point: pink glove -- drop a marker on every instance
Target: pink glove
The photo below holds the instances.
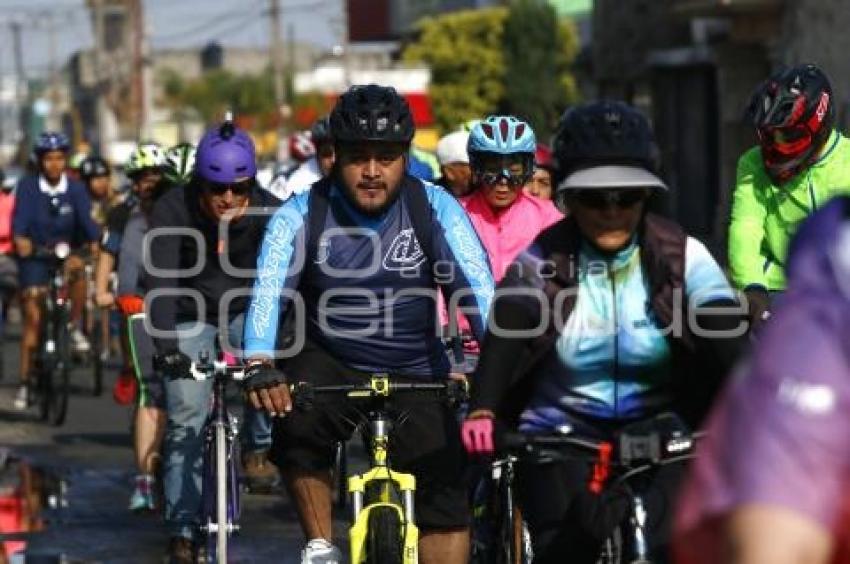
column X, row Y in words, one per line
column 477, row 436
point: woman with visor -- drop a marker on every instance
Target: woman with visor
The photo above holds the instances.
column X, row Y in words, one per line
column 596, row 297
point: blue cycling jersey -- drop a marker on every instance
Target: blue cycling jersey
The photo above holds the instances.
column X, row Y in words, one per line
column 61, row 215
column 369, row 294
column 612, row 360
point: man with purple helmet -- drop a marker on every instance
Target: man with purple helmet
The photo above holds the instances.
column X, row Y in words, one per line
column 203, row 238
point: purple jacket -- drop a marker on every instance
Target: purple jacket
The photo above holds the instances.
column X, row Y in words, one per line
column 780, row 434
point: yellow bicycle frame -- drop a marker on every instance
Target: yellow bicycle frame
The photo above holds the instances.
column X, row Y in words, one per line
column 382, row 474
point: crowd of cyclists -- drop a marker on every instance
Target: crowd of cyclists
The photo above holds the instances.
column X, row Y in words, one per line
column 579, row 306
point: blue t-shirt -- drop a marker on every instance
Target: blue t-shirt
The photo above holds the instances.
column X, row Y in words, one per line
column 612, row 360
column 64, row 215
column 370, row 293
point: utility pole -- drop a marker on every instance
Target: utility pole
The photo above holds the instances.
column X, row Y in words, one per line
column 52, row 73
column 276, row 46
column 101, row 88
column 346, row 45
column 20, row 80
column 147, row 76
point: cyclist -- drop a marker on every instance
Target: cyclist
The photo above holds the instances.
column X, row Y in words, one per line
column 369, row 191
column 611, row 273
column 144, row 168
column 540, row 185
column 801, row 161
column 315, row 168
column 179, row 164
column 97, row 176
column 121, row 245
column 770, row 483
column 501, row 153
column 49, row 208
column 455, row 174
column 223, row 189
column 8, row 265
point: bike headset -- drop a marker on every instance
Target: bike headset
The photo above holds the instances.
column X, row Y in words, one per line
column 501, row 136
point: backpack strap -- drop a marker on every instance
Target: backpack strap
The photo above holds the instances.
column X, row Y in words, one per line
column 317, row 211
column 421, row 215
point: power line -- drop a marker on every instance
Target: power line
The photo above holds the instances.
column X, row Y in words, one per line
column 212, row 22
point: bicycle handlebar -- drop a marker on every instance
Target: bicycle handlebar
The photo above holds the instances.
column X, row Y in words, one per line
column 303, row 393
column 202, row 371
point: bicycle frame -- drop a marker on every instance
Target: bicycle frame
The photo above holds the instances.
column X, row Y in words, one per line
column 372, row 491
column 219, row 509
column 380, row 474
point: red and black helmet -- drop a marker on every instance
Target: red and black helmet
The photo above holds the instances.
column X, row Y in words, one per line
column 793, row 113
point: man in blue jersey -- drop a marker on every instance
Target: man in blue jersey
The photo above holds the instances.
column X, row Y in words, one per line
column 362, row 248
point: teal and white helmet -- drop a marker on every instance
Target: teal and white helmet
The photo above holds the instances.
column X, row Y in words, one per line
column 146, row 156
column 504, row 135
column 180, row 163
column 507, row 138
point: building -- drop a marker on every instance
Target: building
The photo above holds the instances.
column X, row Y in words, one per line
column 693, row 65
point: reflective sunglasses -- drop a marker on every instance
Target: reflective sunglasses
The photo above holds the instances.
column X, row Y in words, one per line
column 602, row 199
column 237, row 188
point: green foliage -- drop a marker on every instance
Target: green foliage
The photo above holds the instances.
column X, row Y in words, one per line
column 463, row 50
column 538, row 52
column 514, row 60
column 220, row 90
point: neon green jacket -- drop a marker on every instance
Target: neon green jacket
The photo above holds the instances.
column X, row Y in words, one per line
column 765, row 217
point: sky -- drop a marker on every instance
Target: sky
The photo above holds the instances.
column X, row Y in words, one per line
column 172, row 23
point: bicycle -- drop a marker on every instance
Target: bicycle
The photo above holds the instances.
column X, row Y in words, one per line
column 52, row 358
column 383, row 529
column 220, row 508
column 638, row 450
column 96, row 331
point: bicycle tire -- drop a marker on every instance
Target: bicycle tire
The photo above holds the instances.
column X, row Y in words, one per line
column 221, row 494
column 341, row 475
column 384, row 544
column 59, row 381
column 96, row 341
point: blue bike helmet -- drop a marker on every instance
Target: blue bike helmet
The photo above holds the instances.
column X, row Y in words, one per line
column 51, row 141
column 226, row 155
column 502, row 135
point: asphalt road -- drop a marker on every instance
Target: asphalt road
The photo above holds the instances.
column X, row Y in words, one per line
column 91, row 455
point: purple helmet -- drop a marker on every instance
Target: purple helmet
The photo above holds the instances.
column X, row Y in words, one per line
column 226, row 155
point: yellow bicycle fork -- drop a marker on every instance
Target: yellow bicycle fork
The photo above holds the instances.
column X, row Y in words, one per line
column 387, row 481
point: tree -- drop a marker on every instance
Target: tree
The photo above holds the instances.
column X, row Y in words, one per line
column 491, row 60
column 538, row 52
column 463, row 50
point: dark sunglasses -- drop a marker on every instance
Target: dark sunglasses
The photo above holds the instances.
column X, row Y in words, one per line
column 238, row 188
column 601, row 199
column 513, row 180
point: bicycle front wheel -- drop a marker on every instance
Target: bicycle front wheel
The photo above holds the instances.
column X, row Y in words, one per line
column 59, row 380
column 96, row 355
column 384, row 544
column 221, row 491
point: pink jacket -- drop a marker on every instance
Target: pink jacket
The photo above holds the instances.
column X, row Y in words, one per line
column 510, row 232
column 507, row 234
column 7, row 206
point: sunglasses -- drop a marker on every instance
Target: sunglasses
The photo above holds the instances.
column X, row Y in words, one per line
column 602, row 199
column 238, row 188
column 514, row 180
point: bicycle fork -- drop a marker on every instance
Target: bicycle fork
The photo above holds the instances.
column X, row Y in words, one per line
column 380, row 474
column 638, row 522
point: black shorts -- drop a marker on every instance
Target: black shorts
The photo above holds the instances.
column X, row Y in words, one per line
column 426, row 443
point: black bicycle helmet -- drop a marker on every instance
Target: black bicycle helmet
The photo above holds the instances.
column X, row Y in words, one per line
column 603, row 133
column 94, row 166
column 371, row 113
column 794, row 115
